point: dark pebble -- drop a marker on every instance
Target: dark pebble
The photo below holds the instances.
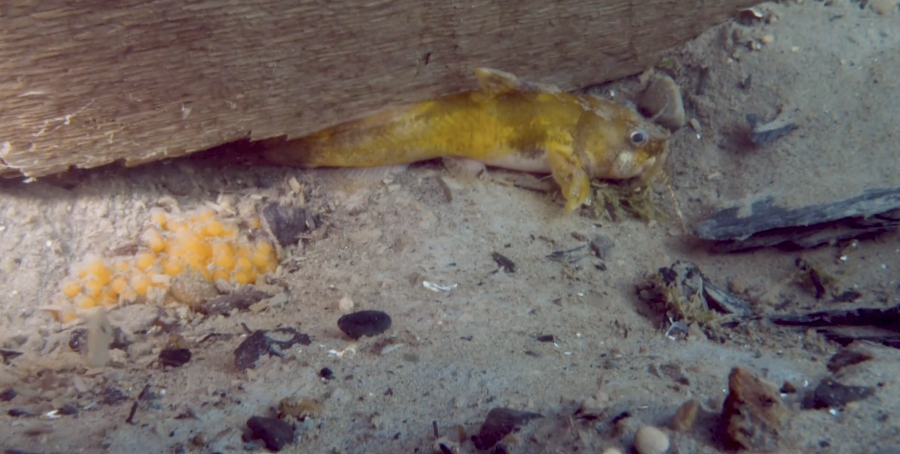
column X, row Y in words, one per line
column 545, row 338
column 68, row 410
column 287, row 223
column 499, row 423
column 601, row 246
column 78, row 339
column 276, row 433
column 174, row 357
column 18, row 412
column 788, row 388
column 831, row 394
column 848, row 356
column 364, row 323
column 504, row 262
column 8, row 355
column 7, row 394
column 113, row 396
column 326, row 373
column 263, row 342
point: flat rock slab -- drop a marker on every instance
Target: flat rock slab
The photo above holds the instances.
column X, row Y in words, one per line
column 768, row 224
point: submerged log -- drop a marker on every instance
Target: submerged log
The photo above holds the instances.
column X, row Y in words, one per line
column 83, row 84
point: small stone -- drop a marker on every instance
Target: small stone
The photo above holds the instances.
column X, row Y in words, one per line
column 19, row 413
column 287, row 223
column 662, row 101
column 848, row 356
column 364, row 323
column 831, row 394
column 684, row 417
column 788, row 388
column 499, row 423
column 276, row 433
column 8, row 394
column 593, row 406
column 752, row 414
column 112, row 396
column 345, row 304
column 78, row 339
column 601, row 245
column 68, row 410
column 174, row 357
column 650, row 440
column 326, row 373
column 674, row 372
column 883, row 6
column 192, row 290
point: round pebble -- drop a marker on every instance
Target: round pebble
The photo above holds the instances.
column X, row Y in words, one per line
column 662, row 101
column 650, row 440
column 364, row 323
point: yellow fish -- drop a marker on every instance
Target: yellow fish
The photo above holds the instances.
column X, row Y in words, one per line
column 506, row 123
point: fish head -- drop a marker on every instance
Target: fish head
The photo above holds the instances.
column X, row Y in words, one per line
column 618, row 143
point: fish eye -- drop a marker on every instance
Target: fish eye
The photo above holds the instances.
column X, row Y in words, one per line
column 638, row 137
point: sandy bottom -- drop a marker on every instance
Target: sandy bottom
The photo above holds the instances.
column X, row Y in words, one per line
column 451, row 356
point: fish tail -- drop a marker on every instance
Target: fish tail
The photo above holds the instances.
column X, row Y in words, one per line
column 386, row 138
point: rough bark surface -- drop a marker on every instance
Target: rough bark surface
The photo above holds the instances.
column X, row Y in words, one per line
column 93, row 82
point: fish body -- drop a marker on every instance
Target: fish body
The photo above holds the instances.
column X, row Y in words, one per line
column 505, row 123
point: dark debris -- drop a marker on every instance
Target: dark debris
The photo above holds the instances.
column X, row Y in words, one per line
column 499, row 423
column 762, row 134
column 241, row 300
column 831, row 394
column 275, row 433
column 504, row 262
column 174, row 357
column 287, row 223
column 263, row 342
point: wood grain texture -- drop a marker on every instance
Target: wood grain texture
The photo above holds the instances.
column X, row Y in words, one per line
column 92, row 82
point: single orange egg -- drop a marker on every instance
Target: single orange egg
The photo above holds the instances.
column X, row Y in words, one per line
column 85, row 302
column 93, row 287
column 67, row 316
column 71, row 288
column 244, row 263
column 158, row 217
column 140, row 283
column 96, row 268
column 118, row 284
column 172, row 266
column 109, row 298
column 223, row 255
column 214, row 228
column 144, row 260
column 242, row 277
column 154, row 240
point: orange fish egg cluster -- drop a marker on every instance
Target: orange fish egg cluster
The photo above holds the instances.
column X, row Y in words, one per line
column 198, row 242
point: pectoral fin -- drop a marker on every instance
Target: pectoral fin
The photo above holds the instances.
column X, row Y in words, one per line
column 569, row 173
